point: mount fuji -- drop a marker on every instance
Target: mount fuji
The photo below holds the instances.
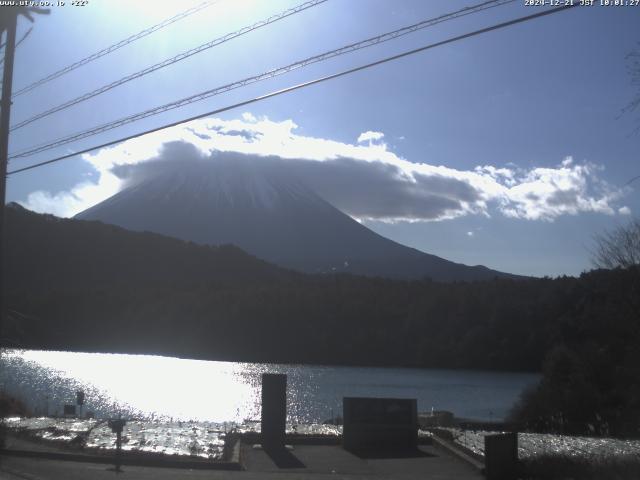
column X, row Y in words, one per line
column 269, row 213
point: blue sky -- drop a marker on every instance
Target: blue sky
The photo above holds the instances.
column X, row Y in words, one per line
column 527, row 119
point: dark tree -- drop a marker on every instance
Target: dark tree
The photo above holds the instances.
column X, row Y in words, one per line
column 618, row 248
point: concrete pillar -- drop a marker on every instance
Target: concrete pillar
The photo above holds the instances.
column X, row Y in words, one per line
column 274, row 409
column 501, row 456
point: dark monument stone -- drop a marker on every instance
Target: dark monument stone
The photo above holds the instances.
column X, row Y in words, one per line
column 501, row 456
column 384, row 424
column 70, row 410
column 274, row 409
column 80, row 401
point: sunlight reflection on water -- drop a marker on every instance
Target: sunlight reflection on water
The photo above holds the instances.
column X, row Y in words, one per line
column 147, row 386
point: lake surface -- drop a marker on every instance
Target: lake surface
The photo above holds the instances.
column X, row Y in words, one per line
column 144, row 386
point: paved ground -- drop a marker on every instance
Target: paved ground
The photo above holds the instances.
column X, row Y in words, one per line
column 311, row 461
column 303, row 462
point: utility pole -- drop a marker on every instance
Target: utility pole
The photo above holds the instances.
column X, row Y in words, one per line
column 8, row 23
column 9, row 18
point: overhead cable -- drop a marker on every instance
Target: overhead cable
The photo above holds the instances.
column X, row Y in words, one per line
column 263, row 76
column 114, row 47
column 170, row 61
column 302, row 85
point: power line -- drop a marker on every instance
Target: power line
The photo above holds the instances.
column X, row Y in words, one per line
column 263, row 76
column 115, row 46
column 171, row 61
column 22, row 39
column 637, row 177
column 24, row 36
column 305, row 84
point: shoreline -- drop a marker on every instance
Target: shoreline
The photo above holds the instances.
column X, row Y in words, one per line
column 23, row 443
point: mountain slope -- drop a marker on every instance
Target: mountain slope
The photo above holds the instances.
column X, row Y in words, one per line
column 47, row 253
column 271, row 215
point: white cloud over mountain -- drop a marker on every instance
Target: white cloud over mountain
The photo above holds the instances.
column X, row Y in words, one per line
column 365, row 179
column 370, row 137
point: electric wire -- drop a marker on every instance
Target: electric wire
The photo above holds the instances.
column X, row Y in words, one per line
column 270, row 74
column 22, row 39
column 114, row 47
column 637, row 177
column 303, row 85
column 170, row 61
column 263, row 76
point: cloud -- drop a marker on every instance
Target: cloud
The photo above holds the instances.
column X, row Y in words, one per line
column 624, row 210
column 365, row 180
column 568, row 189
column 370, row 137
column 79, row 198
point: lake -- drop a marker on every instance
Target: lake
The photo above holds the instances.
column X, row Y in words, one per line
column 148, row 387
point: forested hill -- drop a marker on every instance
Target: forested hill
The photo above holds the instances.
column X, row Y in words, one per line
column 86, row 286
column 45, row 252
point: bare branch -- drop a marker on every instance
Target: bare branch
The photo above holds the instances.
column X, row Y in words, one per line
column 619, row 248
